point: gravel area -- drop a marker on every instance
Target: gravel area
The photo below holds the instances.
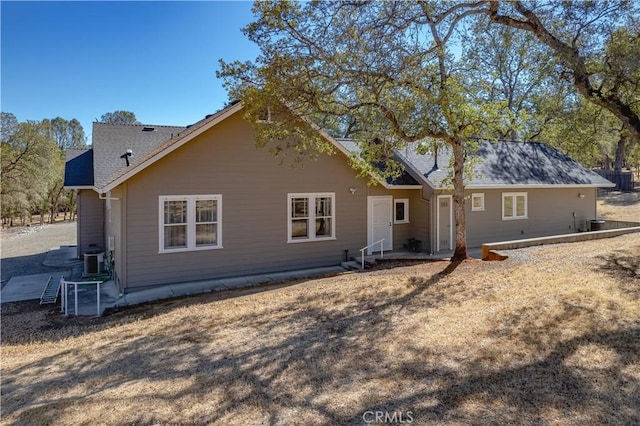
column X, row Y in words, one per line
column 23, row 252
column 579, row 250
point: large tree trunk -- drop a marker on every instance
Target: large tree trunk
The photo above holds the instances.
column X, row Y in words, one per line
column 620, row 153
column 460, row 252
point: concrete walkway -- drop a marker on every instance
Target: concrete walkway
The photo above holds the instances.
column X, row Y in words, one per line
column 207, row 286
column 62, row 256
column 474, row 252
column 28, row 287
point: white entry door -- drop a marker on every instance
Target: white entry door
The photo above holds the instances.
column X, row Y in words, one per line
column 380, row 222
column 444, row 223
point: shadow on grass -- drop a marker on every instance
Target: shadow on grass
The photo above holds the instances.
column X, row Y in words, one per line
column 54, row 326
column 529, row 394
column 307, row 360
column 26, row 265
column 625, row 266
column 620, row 198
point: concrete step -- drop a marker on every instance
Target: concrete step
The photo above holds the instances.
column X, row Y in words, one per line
column 351, row 265
column 368, row 260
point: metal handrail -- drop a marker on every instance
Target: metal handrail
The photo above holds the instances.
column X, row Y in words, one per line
column 371, row 245
column 64, row 305
column 45, row 288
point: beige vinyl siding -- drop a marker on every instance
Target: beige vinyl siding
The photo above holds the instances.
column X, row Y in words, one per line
column 90, row 221
column 550, row 212
column 254, row 188
column 420, row 218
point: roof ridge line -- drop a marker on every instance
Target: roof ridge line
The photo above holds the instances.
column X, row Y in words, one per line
column 138, row 125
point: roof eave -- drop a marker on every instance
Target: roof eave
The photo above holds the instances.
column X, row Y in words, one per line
column 415, row 173
column 80, row 187
column 533, row 186
column 348, row 153
column 390, row 186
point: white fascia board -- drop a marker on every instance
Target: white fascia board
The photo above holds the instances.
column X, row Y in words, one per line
column 415, row 171
column 81, row 187
column 390, row 186
column 330, row 138
column 177, row 144
column 346, row 152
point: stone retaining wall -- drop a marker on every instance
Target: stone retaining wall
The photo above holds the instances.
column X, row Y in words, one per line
column 488, row 254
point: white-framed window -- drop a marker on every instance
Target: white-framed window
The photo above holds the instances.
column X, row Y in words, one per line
column 311, row 217
column 265, row 116
column 190, row 222
column 477, row 202
column 514, row 205
column 401, row 210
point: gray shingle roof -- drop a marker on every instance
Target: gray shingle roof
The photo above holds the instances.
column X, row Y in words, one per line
column 507, row 163
column 111, row 141
column 78, row 169
column 177, row 139
column 501, row 163
column 404, row 179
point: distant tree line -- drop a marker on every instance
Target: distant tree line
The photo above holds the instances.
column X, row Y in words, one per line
column 32, row 165
column 33, row 154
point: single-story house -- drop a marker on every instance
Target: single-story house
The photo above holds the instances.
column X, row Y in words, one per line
column 174, row 204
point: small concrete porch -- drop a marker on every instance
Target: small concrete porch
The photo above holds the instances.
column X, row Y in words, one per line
column 356, row 261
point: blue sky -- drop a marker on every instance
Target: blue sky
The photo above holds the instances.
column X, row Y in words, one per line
column 83, row 59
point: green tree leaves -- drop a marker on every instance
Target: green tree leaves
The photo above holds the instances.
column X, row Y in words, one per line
column 119, row 117
column 32, row 164
column 373, row 71
column 596, row 42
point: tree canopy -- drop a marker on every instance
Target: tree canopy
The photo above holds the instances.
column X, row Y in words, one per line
column 66, row 133
column 390, row 73
column 119, row 117
column 32, row 165
column 381, row 71
column 596, row 42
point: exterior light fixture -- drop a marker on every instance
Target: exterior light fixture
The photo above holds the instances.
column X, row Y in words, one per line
column 353, row 190
column 126, row 156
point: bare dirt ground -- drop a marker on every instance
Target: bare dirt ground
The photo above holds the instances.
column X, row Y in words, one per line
column 623, row 206
column 550, row 336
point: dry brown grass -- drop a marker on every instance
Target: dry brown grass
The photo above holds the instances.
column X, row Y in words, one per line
column 554, row 339
column 624, row 206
